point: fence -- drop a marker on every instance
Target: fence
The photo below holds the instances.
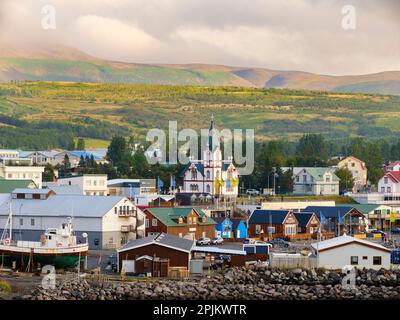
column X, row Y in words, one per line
column 292, row 261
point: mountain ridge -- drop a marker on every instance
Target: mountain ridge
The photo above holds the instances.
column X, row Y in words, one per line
column 61, row 63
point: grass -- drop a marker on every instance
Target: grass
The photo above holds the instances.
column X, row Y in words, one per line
column 95, row 143
column 5, row 287
column 272, row 113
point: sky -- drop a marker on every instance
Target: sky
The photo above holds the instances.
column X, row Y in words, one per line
column 305, row 35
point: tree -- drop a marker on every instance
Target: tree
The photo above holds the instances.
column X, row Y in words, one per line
column 65, row 169
column 346, row 182
column 81, row 144
column 311, row 150
column 120, row 155
column 48, row 174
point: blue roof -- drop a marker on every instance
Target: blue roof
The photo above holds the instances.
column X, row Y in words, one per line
column 84, row 154
column 220, row 220
column 328, row 212
column 303, row 218
column 263, row 216
column 199, row 167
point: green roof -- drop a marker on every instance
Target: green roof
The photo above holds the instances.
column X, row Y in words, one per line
column 363, row 208
column 318, row 173
column 8, row 186
column 170, row 216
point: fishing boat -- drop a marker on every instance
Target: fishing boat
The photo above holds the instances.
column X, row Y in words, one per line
column 57, row 247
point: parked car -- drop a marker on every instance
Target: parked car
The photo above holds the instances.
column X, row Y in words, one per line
column 249, row 241
column 395, row 230
column 252, row 192
column 223, row 258
column 203, row 242
column 376, row 231
column 277, row 242
column 217, row 240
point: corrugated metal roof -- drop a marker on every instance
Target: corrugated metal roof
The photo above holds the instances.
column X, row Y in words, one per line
column 363, row 208
column 328, row 212
column 162, row 239
column 318, row 172
column 63, row 206
column 219, row 250
column 170, row 216
column 31, row 191
column 303, row 218
column 344, row 240
column 74, row 189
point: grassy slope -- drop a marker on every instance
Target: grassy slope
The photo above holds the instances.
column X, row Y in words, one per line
column 272, row 113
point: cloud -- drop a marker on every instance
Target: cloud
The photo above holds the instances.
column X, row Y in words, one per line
column 287, row 34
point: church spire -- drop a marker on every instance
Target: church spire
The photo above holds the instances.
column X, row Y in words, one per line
column 213, row 138
column 212, row 122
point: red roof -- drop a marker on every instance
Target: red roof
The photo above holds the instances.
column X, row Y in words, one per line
column 393, row 175
column 392, row 164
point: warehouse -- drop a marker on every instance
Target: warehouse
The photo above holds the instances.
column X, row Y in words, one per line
column 108, row 221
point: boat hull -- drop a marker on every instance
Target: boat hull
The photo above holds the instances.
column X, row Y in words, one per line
column 60, row 260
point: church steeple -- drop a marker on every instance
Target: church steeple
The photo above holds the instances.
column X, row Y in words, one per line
column 213, row 138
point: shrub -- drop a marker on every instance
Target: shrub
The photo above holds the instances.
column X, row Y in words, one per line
column 4, row 286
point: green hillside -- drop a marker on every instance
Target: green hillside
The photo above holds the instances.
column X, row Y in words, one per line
column 45, row 114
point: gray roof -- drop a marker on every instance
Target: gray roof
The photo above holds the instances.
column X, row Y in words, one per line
column 162, row 239
column 31, row 191
column 74, row 189
column 62, row 206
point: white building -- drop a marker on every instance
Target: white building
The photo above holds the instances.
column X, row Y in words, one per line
column 315, row 181
column 108, row 221
column 345, row 250
column 212, row 174
column 89, row 184
column 22, row 173
column 131, row 187
column 390, row 182
column 40, row 157
column 8, row 154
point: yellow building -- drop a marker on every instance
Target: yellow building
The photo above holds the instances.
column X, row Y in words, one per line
column 358, row 169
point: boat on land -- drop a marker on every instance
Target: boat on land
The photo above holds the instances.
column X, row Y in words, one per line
column 57, row 247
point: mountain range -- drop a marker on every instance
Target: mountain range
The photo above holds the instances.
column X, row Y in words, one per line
column 70, row 65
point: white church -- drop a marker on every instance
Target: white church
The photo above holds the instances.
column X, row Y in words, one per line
column 212, row 174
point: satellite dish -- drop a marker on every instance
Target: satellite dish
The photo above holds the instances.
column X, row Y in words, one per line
column 85, row 235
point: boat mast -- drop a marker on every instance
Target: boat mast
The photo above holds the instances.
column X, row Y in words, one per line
column 8, row 224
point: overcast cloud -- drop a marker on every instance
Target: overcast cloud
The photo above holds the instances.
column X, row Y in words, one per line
column 277, row 34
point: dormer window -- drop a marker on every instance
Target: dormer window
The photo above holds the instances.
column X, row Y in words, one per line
column 180, row 220
column 204, row 219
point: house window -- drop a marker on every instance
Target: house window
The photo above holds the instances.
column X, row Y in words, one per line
column 194, row 175
column 96, row 242
column 154, row 222
column 208, row 189
column 208, row 175
column 365, row 258
column 290, row 229
column 353, row 164
column 32, row 222
column 382, row 189
column 389, row 189
column 377, row 260
column 180, row 235
column 147, row 223
column 297, row 179
column 385, row 180
column 304, row 178
column 194, row 220
column 180, row 220
column 328, row 179
column 21, row 222
column 354, row 260
column 189, row 220
column 258, row 229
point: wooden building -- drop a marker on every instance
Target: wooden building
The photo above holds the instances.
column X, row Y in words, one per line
column 188, row 222
column 272, row 223
column 308, row 222
column 155, row 254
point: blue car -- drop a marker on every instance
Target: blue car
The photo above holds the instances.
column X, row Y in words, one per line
column 395, row 230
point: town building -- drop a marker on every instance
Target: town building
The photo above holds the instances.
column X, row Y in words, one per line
column 392, row 166
column 272, row 224
column 89, row 184
column 390, row 182
column 22, row 173
column 131, row 188
column 188, row 222
column 223, row 227
column 155, row 255
column 308, row 222
column 342, row 251
column 358, row 170
column 211, row 175
column 40, row 157
column 293, row 205
column 239, row 228
column 108, row 221
column 339, row 220
column 315, row 181
column 9, row 154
